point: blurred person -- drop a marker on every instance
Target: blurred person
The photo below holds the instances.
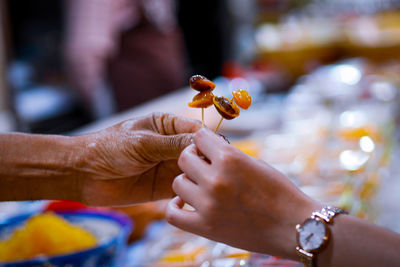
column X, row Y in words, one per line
column 208, row 41
column 244, row 202
column 131, row 162
column 134, row 45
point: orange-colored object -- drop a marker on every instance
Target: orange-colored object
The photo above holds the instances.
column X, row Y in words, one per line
column 45, row 234
column 249, row 146
column 358, row 132
column 201, row 83
column 179, row 256
column 242, row 98
column 203, row 99
column 226, row 107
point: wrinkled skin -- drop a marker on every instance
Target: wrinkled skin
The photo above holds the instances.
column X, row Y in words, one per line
column 134, row 161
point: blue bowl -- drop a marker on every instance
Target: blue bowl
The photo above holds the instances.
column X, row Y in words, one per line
column 111, row 229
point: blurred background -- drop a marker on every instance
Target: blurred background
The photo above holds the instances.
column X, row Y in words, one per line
column 67, row 63
column 323, row 76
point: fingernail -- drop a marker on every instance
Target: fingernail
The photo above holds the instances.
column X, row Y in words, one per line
column 224, row 137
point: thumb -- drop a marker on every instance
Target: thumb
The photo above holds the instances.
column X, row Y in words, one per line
column 165, row 147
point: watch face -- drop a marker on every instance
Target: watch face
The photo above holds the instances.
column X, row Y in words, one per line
column 312, row 234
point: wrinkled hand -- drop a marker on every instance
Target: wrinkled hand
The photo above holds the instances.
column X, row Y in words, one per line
column 134, row 161
column 238, row 200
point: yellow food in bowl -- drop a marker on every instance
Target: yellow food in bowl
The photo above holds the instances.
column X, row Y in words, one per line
column 45, row 234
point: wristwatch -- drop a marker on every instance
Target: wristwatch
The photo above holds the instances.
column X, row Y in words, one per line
column 313, row 234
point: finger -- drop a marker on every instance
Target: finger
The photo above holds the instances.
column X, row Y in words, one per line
column 187, row 220
column 191, row 163
column 170, row 124
column 155, row 147
column 208, row 143
column 188, row 191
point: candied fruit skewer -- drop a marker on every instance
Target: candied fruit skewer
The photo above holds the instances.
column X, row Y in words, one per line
column 226, row 108
column 204, row 98
column 201, row 83
column 242, row 98
column 219, row 124
column 220, row 121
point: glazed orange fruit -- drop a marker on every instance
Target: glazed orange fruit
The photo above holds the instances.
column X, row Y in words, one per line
column 202, row 100
column 201, row 83
column 226, row 107
column 242, row 98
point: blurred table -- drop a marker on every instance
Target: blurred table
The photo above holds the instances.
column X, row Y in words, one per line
column 175, row 102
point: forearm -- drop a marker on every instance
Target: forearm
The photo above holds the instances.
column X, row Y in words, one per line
column 356, row 242
column 34, row 167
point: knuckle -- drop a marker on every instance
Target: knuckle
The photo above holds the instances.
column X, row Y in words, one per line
column 225, row 156
column 229, row 157
column 218, row 185
column 128, row 124
column 140, row 138
column 169, row 216
column 182, row 160
column 156, row 116
column 184, row 157
column 200, row 134
column 140, row 142
column 176, row 183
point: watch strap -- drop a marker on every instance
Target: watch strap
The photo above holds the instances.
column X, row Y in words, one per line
column 327, row 213
column 306, row 258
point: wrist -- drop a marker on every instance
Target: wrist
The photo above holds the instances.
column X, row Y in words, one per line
column 58, row 174
column 39, row 167
column 314, row 234
column 80, row 162
column 302, row 212
column 75, row 166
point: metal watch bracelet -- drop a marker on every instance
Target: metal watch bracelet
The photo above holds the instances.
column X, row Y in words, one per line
column 323, row 217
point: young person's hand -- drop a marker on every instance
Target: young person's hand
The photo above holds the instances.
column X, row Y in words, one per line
column 238, row 199
column 244, row 202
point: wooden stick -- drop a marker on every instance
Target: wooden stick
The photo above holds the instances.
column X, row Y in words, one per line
column 216, row 129
column 220, row 121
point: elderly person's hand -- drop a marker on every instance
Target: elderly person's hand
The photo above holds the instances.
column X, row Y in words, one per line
column 135, row 160
column 131, row 162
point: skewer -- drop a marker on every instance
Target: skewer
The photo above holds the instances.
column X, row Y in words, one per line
column 204, row 98
column 219, row 123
